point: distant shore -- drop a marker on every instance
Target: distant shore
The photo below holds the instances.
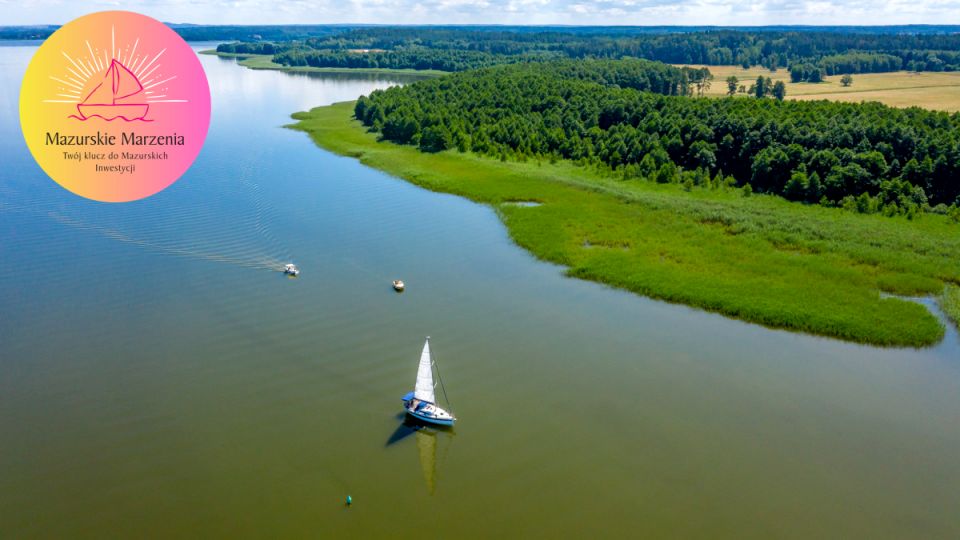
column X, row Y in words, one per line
column 265, row 61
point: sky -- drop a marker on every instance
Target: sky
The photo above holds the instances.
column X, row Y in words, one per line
column 574, row 12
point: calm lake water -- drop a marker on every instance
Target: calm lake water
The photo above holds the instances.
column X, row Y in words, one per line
column 160, row 378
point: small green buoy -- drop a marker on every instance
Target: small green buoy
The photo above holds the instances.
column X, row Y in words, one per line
column 349, row 500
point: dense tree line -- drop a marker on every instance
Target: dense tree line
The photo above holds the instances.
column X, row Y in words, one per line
column 807, row 72
column 27, row 32
column 614, row 114
column 275, row 32
column 810, row 55
column 408, row 58
column 835, row 52
column 839, row 64
column 844, row 64
column 200, row 32
column 252, row 47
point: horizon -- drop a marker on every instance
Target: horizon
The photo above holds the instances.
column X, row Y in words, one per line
column 573, row 13
column 510, row 25
column 922, row 28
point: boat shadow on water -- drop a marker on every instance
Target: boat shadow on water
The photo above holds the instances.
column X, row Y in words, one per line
column 410, row 425
column 427, row 436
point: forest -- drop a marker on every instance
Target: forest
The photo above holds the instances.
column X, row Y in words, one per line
column 638, row 119
column 834, row 50
column 843, row 64
column 419, row 58
column 203, row 32
column 459, row 48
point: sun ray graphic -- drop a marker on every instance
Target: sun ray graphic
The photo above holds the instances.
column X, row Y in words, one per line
column 87, row 76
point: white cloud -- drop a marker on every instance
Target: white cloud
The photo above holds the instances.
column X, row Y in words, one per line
column 598, row 12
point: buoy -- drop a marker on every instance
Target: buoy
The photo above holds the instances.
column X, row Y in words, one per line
column 349, row 500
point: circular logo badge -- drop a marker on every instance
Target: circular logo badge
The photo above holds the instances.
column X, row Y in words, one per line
column 115, row 106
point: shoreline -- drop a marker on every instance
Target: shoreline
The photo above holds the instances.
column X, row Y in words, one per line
column 265, row 61
column 661, row 242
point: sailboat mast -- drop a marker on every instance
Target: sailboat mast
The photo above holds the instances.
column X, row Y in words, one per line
column 433, row 358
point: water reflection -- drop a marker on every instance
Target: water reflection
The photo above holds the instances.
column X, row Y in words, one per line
column 427, row 445
column 428, row 438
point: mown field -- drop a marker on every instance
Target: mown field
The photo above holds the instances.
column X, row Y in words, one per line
column 930, row 90
column 757, row 258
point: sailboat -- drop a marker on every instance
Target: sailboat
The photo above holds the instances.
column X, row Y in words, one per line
column 422, row 402
column 112, row 97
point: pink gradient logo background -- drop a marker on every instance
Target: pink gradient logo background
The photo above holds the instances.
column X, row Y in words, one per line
column 116, row 73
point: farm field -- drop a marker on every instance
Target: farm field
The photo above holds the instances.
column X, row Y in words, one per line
column 930, row 90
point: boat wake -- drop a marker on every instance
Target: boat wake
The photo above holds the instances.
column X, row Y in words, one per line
column 181, row 251
column 225, row 219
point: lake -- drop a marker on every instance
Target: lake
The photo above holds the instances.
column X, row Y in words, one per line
column 159, row 377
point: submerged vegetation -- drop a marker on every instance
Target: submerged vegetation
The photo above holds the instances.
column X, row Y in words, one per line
column 758, row 258
column 626, row 115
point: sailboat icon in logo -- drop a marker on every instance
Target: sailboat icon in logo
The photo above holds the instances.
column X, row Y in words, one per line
column 116, row 96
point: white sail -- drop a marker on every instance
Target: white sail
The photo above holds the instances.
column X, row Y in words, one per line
column 424, row 388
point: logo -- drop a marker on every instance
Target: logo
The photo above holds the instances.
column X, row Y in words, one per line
column 111, row 98
column 115, row 106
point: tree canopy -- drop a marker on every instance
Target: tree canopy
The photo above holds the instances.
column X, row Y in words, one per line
column 638, row 118
column 460, row 48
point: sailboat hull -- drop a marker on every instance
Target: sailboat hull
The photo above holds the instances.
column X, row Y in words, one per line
column 110, row 112
column 427, row 412
column 431, row 419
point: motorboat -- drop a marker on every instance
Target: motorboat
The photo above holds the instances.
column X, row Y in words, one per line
column 398, row 285
column 291, row 270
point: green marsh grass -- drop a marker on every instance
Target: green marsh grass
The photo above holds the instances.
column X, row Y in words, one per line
column 760, row 259
column 950, row 302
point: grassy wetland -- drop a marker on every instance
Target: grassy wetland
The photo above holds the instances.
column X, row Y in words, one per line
column 757, row 258
column 951, row 303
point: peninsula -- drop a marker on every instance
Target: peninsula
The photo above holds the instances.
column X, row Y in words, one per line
column 686, row 236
